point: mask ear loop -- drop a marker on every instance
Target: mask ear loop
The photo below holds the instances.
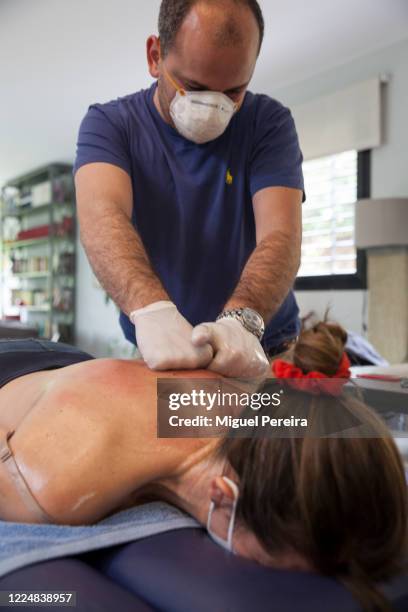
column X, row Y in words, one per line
column 182, row 92
column 210, row 512
column 232, row 519
column 233, row 512
column 170, row 78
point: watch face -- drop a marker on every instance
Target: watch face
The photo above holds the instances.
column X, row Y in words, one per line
column 252, row 319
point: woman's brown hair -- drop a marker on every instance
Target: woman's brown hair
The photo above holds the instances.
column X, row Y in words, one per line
column 341, row 502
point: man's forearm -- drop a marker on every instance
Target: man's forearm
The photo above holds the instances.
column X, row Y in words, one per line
column 268, row 275
column 119, row 261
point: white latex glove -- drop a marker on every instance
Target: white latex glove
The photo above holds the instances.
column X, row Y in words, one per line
column 237, row 352
column 163, row 337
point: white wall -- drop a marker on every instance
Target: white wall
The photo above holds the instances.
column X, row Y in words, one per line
column 97, row 328
column 389, row 172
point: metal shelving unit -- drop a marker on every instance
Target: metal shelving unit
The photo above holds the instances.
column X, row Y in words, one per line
column 38, row 250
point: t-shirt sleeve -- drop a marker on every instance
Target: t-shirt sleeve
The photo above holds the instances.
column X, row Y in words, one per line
column 276, row 159
column 102, row 138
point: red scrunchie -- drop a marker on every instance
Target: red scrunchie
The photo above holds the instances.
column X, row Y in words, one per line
column 313, row 382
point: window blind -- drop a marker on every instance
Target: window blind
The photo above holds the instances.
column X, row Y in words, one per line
column 349, row 119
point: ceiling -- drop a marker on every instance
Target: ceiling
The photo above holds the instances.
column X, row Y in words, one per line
column 57, row 57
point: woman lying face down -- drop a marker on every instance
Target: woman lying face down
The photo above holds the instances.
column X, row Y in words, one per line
column 85, row 445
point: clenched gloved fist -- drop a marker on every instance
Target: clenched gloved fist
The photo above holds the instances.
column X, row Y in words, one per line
column 163, row 337
column 237, row 352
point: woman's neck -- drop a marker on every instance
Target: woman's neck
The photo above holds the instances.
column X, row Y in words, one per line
column 189, row 489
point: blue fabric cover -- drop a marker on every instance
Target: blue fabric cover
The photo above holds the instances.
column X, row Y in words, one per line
column 19, row 357
column 185, row 570
column 94, row 591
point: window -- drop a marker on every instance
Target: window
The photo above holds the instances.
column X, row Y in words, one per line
column 329, row 257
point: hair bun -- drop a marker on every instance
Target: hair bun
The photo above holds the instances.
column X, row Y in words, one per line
column 320, row 348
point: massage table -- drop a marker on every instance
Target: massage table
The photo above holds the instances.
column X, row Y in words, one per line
column 386, row 390
column 183, row 570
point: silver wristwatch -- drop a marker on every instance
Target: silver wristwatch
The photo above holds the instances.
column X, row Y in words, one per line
column 250, row 319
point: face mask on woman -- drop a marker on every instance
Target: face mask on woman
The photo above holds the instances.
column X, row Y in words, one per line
column 227, row 544
column 200, row 116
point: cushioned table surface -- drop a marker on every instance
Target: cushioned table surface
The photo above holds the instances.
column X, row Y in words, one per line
column 184, row 571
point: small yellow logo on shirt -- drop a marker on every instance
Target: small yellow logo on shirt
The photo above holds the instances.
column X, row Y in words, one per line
column 229, row 178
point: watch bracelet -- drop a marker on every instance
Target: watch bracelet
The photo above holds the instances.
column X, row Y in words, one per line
column 235, row 313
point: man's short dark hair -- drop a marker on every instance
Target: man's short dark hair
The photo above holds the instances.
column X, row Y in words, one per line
column 173, row 12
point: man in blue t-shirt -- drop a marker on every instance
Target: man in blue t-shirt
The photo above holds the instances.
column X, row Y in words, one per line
column 189, row 197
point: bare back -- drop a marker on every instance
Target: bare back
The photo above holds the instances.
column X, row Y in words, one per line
column 86, row 439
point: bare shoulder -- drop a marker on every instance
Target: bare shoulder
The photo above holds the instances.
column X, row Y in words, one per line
column 108, row 373
column 124, row 375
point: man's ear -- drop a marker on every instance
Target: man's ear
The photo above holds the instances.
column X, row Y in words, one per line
column 153, row 55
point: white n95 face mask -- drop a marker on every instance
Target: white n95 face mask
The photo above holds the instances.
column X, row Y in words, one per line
column 227, row 544
column 200, row 116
